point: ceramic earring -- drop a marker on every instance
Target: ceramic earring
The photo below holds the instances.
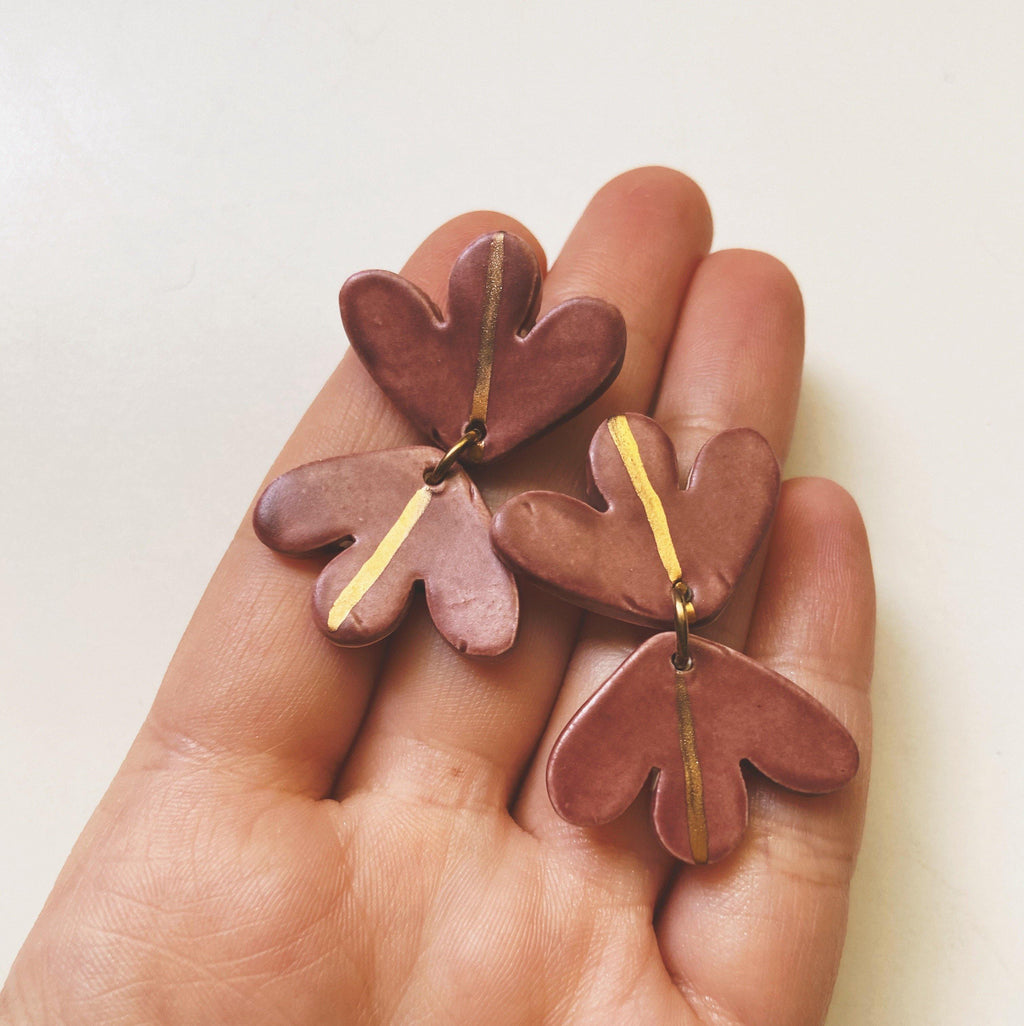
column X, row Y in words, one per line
column 478, row 384
column 687, row 708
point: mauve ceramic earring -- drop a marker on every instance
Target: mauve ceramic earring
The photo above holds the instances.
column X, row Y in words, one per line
column 689, row 709
column 478, row 385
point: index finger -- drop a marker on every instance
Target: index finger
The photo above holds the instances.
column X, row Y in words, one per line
column 253, row 680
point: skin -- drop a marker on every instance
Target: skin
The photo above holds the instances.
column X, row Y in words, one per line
column 306, row 834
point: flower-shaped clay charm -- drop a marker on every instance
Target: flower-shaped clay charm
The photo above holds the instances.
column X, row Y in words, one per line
column 488, row 364
column 393, row 529
column 621, row 560
column 694, row 730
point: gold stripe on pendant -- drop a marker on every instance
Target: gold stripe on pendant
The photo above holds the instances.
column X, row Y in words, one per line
column 629, row 451
column 367, row 575
column 696, row 819
column 488, row 326
column 625, row 442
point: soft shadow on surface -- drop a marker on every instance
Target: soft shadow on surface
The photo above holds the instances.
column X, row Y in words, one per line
column 893, row 895
column 892, row 898
column 826, row 440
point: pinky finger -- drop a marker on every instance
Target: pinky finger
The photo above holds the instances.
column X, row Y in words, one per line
column 757, row 938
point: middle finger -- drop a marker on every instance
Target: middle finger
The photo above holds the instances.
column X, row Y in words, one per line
column 448, row 729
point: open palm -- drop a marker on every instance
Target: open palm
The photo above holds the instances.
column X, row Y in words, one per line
column 305, row 834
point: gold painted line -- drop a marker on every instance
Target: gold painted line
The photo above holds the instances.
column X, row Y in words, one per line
column 488, row 324
column 696, row 819
column 625, row 442
column 382, row 555
column 629, row 451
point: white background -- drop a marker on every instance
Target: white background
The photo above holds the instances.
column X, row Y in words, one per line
column 184, row 186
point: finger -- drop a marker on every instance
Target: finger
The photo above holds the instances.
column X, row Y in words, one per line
column 758, row 936
column 454, row 730
column 741, row 329
column 253, row 681
column 735, row 362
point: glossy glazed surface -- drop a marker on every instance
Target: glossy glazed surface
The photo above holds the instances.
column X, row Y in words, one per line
column 741, row 712
column 621, row 561
column 395, row 531
column 487, row 361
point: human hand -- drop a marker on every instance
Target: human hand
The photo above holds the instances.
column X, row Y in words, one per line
column 306, row 834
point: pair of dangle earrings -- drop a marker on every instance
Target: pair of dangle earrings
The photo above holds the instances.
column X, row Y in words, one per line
column 644, row 550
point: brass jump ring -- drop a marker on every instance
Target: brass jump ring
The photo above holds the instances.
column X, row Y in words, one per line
column 685, row 614
column 435, row 475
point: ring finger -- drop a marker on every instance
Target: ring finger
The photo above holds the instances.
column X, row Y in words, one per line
column 735, row 361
